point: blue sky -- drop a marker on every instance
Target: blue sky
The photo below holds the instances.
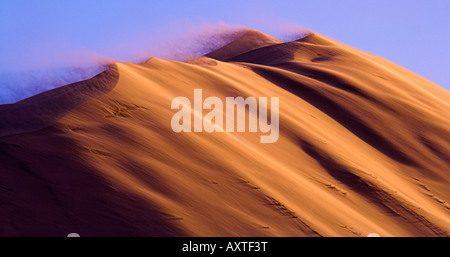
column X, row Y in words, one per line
column 49, row 33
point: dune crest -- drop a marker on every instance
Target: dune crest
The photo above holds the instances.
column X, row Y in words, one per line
column 45, row 109
column 363, row 148
column 250, row 40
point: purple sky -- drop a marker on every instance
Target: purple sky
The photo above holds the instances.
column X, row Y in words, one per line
column 47, row 36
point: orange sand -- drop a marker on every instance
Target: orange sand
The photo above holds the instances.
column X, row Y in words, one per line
column 363, row 148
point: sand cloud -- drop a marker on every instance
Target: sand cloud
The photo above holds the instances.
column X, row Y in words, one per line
column 48, row 64
column 51, row 64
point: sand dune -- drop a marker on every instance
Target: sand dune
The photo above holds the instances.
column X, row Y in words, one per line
column 363, row 148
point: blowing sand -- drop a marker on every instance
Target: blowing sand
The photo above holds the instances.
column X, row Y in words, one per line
column 363, row 148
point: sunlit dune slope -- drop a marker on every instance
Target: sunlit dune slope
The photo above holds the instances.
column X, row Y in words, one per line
column 363, row 148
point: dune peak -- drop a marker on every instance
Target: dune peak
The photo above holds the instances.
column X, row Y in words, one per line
column 250, row 40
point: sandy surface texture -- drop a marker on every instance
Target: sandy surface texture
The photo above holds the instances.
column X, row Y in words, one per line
column 363, row 148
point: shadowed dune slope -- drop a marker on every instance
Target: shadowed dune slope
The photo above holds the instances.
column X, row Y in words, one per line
column 363, row 148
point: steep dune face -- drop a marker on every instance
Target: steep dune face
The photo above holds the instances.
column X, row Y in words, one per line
column 363, row 148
